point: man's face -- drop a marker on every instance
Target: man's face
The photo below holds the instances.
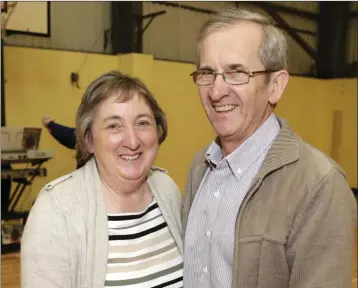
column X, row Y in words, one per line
column 235, row 111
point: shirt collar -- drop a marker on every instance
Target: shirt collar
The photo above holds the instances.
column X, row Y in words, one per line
column 247, row 153
column 214, row 154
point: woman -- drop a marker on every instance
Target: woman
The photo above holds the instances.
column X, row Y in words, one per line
column 115, row 222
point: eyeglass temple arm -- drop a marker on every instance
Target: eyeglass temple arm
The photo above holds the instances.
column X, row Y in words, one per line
column 262, row 72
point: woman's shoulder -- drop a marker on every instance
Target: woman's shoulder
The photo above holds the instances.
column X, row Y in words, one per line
column 58, row 182
column 65, row 181
column 161, row 181
column 63, row 189
column 160, row 175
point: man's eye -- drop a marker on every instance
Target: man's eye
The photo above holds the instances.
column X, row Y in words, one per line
column 235, row 72
column 206, row 72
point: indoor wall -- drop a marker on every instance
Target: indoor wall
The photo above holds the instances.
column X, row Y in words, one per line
column 38, row 83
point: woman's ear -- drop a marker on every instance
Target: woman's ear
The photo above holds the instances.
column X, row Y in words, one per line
column 278, row 85
column 88, row 141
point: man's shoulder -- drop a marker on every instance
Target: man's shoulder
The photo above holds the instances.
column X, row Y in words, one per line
column 309, row 159
column 316, row 161
column 200, row 156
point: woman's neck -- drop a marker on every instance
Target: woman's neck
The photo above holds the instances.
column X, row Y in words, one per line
column 126, row 197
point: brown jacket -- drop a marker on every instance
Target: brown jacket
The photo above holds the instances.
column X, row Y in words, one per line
column 295, row 227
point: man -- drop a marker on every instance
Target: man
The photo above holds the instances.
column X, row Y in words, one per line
column 261, row 208
column 63, row 134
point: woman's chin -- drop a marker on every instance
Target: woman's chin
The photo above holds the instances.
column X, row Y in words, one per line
column 132, row 174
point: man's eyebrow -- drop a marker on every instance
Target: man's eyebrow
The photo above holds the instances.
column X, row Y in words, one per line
column 206, row 68
column 236, row 66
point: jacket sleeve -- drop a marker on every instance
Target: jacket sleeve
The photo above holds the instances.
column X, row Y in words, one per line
column 321, row 242
column 63, row 134
column 45, row 261
column 186, row 201
column 198, row 159
column 176, row 203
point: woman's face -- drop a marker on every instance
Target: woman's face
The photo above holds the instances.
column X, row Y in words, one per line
column 124, row 138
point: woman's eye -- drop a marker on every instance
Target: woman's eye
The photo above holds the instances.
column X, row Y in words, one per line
column 144, row 123
column 113, row 127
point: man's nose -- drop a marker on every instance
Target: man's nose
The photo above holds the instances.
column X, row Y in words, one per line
column 219, row 88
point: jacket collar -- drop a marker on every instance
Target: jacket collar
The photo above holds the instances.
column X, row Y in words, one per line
column 155, row 182
column 283, row 151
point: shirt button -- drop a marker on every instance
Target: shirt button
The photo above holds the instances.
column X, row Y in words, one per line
column 239, row 171
column 208, row 233
column 205, row 269
column 217, row 194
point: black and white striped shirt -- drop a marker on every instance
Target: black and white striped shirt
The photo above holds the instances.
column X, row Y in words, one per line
column 142, row 251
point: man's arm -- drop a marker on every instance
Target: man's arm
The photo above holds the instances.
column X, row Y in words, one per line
column 321, row 242
column 63, row 134
column 45, row 251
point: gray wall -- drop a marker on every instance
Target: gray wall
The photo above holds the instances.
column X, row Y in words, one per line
column 80, row 26
column 75, row 26
column 173, row 35
column 352, row 53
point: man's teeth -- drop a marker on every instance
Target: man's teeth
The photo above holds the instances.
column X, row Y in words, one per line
column 224, row 108
column 129, row 157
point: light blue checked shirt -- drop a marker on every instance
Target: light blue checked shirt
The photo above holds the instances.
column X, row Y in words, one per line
column 209, row 238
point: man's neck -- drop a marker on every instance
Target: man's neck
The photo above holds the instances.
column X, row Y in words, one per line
column 231, row 144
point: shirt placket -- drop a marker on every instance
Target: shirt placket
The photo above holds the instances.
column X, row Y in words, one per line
column 216, row 188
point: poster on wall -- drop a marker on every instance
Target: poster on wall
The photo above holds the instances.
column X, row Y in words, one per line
column 29, row 18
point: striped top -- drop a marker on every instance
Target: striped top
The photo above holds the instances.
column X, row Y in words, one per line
column 209, row 238
column 142, row 251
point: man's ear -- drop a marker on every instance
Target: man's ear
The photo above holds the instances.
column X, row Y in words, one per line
column 88, row 141
column 277, row 84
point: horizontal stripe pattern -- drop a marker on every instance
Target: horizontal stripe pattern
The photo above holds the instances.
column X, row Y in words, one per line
column 142, row 251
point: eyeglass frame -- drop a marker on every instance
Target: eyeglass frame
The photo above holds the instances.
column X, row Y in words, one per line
column 251, row 74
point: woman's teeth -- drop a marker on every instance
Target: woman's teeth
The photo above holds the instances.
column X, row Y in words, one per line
column 130, row 157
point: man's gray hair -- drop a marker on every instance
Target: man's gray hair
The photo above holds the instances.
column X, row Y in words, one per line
column 273, row 47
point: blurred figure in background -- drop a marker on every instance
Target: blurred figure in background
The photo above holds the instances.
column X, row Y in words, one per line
column 63, row 134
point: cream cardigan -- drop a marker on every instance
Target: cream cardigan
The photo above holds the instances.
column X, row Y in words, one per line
column 65, row 241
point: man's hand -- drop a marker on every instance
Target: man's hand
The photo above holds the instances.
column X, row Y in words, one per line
column 46, row 120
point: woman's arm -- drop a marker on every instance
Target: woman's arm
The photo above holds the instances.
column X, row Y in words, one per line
column 45, row 255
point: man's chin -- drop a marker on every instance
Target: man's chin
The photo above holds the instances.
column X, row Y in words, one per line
column 224, row 133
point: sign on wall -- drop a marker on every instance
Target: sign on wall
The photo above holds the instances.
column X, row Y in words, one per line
column 31, row 18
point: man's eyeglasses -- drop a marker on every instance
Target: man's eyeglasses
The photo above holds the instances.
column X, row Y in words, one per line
column 234, row 77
